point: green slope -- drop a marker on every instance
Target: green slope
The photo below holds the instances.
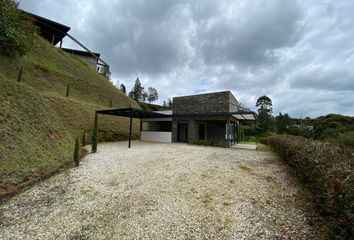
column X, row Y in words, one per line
column 38, row 123
column 49, row 70
column 34, row 141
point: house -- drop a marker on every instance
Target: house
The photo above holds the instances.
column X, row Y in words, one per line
column 87, row 57
column 210, row 116
column 55, row 32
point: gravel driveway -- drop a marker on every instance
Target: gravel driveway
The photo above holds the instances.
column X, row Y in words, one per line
column 164, row 191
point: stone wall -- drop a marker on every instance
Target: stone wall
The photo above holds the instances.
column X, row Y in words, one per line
column 203, row 103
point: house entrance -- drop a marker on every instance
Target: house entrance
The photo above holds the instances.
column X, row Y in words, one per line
column 182, row 132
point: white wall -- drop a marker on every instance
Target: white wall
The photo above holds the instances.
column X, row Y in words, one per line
column 165, row 137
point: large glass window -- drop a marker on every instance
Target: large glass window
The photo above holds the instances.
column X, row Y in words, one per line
column 163, row 126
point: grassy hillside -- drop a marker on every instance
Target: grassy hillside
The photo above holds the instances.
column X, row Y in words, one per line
column 34, row 141
column 49, row 70
column 38, row 123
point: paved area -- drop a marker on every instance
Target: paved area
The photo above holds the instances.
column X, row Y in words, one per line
column 164, row 191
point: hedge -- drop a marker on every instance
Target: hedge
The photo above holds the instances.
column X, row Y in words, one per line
column 328, row 171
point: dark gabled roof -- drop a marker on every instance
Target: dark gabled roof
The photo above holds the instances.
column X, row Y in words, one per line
column 134, row 112
column 81, row 53
column 49, row 28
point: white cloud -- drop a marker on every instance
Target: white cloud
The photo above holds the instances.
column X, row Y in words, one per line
column 300, row 53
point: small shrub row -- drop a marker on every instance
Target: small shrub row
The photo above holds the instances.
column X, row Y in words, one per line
column 328, row 171
column 210, row 142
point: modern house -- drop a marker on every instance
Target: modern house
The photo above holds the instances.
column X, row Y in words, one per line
column 211, row 116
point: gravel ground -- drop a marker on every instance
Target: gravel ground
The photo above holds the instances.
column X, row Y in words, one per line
column 164, row 191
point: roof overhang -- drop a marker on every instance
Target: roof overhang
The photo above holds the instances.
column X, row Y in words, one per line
column 133, row 112
column 139, row 113
column 50, row 30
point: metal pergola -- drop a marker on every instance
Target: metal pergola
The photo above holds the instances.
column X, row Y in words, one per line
column 139, row 113
column 123, row 112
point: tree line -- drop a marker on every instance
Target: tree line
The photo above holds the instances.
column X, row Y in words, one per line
column 139, row 94
column 333, row 128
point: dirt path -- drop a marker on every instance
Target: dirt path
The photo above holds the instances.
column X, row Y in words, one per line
column 163, row 191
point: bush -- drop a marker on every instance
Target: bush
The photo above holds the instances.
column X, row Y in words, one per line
column 328, row 171
column 77, row 152
column 346, row 139
column 16, row 30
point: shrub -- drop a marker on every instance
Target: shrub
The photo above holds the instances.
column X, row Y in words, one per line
column 16, row 30
column 67, row 90
column 210, row 142
column 19, row 77
column 346, row 139
column 328, row 171
column 77, row 152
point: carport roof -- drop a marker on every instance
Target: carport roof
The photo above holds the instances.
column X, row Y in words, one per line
column 139, row 113
column 132, row 112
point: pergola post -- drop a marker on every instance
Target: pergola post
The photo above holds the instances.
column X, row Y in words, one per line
column 141, row 128
column 95, row 134
column 130, row 126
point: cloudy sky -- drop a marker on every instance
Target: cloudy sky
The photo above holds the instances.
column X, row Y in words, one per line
column 299, row 53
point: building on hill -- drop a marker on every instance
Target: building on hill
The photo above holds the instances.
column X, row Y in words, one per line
column 86, row 57
column 53, row 31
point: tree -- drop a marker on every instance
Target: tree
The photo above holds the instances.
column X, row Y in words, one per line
column 152, row 95
column 16, row 30
column 264, row 103
column 265, row 109
column 283, row 123
column 169, row 103
column 137, row 93
column 123, row 88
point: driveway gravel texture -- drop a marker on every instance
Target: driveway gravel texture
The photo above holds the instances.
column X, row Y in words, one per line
column 164, row 191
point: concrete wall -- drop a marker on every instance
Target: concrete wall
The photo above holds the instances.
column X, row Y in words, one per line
column 149, row 136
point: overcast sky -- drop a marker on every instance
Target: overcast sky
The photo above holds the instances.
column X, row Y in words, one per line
column 299, row 53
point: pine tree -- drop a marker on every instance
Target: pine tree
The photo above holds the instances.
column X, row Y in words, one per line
column 137, row 93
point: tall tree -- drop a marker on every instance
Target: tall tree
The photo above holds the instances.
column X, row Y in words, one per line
column 265, row 109
column 123, row 88
column 152, row 94
column 264, row 103
column 137, row 93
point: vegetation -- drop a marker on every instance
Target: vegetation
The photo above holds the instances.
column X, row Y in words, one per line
column 84, row 138
column 265, row 108
column 139, row 95
column 95, row 134
column 152, row 95
column 34, row 141
column 77, row 152
column 328, row 171
column 67, row 90
column 210, row 142
column 16, row 32
column 26, row 153
column 123, row 88
column 19, row 77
